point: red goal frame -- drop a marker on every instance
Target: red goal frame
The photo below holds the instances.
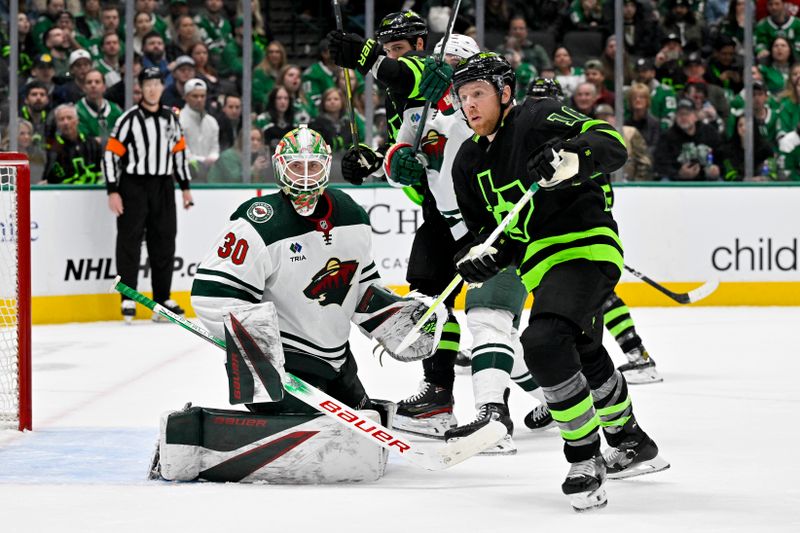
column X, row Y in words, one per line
column 23, row 228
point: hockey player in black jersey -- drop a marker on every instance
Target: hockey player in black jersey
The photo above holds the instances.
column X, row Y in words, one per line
column 568, row 254
column 402, row 38
column 640, row 368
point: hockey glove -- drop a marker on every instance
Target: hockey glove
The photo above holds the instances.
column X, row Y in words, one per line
column 406, row 167
column 477, row 267
column 435, row 79
column 561, row 164
column 354, row 169
column 350, row 50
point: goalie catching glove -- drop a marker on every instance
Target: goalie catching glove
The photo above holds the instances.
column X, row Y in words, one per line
column 561, row 164
column 388, row 318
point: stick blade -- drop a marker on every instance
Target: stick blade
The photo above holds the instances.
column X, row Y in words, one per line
column 703, row 291
column 460, row 450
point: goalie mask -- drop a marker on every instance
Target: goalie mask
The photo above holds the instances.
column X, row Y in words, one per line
column 302, row 163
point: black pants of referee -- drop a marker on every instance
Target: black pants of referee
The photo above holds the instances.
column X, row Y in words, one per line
column 148, row 213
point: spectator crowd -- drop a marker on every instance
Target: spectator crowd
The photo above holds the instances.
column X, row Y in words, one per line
column 683, row 79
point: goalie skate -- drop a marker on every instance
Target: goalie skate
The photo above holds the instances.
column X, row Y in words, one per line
column 154, row 472
column 633, row 458
column 428, row 413
column 585, row 484
column 640, row 368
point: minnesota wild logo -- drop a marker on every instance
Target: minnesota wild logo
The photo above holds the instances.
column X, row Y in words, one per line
column 331, row 284
column 501, row 200
column 433, row 147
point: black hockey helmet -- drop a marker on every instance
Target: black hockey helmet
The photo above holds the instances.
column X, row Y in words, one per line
column 545, row 88
column 488, row 66
column 401, row 26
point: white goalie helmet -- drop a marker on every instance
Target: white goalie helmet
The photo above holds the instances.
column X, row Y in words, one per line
column 302, row 163
column 461, row 46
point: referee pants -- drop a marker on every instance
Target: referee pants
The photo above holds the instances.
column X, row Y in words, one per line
column 149, row 214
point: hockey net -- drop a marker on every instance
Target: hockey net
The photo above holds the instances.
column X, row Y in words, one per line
column 15, row 304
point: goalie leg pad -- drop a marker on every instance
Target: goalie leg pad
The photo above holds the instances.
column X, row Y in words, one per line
column 236, row 446
column 255, row 358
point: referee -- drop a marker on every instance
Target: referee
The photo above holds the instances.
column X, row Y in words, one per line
column 145, row 150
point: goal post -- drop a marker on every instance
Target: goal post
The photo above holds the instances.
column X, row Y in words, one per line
column 15, row 292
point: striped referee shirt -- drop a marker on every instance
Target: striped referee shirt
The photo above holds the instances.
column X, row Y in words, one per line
column 146, row 144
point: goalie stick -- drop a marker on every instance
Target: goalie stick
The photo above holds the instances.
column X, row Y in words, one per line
column 682, row 298
column 436, row 458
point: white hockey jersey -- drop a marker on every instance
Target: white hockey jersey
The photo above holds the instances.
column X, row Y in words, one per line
column 441, row 139
column 314, row 271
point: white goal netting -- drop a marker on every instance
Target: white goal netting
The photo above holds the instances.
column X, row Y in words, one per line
column 9, row 297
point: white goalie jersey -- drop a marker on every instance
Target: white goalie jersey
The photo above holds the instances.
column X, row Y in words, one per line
column 441, row 139
column 314, row 271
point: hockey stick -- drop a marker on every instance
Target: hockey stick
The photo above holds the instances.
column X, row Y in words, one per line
column 414, row 334
column 427, row 107
column 337, row 12
column 682, row 298
column 438, row 459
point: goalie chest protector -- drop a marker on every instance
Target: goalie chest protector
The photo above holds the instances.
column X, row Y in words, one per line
column 313, row 270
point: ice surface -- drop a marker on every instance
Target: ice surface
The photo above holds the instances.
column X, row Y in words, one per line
column 725, row 417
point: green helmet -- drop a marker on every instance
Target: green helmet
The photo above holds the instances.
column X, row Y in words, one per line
column 302, row 163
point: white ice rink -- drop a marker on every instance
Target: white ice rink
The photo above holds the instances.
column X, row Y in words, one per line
column 725, row 417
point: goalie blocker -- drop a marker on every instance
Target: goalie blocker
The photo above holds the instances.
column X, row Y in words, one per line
column 235, row 446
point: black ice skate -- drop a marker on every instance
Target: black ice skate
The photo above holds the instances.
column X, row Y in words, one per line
column 584, row 484
column 429, row 412
column 539, row 419
column 634, row 458
column 170, row 305
column 640, row 368
column 128, row 311
column 487, row 412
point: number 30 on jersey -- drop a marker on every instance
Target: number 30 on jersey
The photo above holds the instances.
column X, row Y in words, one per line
column 234, row 248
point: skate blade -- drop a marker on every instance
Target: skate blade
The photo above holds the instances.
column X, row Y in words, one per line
column 542, row 428
column 651, row 466
column 642, row 376
column 589, row 501
column 504, row 446
column 433, row 427
column 127, row 320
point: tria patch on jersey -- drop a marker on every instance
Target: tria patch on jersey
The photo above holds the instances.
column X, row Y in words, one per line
column 260, row 212
column 331, row 284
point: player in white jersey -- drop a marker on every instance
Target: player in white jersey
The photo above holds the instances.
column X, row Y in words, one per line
column 493, row 309
column 296, row 268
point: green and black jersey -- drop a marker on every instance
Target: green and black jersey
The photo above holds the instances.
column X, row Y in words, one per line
column 401, row 79
column 556, row 226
